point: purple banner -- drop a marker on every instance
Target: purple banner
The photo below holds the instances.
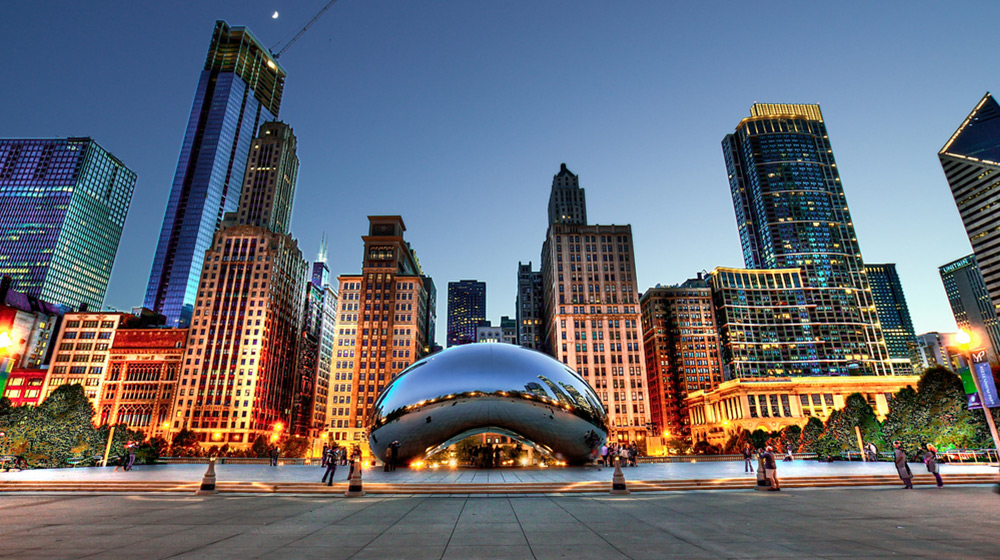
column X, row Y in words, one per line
column 987, row 386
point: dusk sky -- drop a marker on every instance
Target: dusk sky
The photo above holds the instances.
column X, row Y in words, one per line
column 456, row 115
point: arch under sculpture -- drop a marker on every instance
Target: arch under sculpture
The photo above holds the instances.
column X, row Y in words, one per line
column 488, row 388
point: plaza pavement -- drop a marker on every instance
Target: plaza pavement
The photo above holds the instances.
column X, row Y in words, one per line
column 953, row 522
column 447, row 475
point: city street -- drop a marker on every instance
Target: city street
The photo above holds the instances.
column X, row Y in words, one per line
column 955, row 522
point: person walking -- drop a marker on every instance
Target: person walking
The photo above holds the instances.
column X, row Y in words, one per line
column 275, row 454
column 130, row 459
column 747, row 459
column 771, row 468
column 331, row 467
column 931, row 460
column 604, row 454
column 899, row 458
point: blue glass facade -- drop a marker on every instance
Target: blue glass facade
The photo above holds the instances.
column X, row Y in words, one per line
column 893, row 316
column 240, row 88
column 63, row 203
column 792, row 213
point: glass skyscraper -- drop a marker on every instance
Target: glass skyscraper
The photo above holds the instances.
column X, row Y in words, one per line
column 466, row 309
column 893, row 317
column 240, row 88
column 971, row 163
column 63, row 203
column 792, row 214
column 972, row 305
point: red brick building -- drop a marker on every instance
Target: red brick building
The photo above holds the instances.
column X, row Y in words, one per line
column 24, row 386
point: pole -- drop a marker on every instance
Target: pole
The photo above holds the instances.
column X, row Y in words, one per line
column 986, row 409
column 861, row 445
column 107, row 448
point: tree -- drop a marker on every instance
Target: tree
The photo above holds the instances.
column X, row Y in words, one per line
column 758, row 438
column 811, row 433
column 259, row 447
column 856, row 412
column 295, row 446
column 185, row 443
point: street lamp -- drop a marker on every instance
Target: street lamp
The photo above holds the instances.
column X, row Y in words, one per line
column 964, row 340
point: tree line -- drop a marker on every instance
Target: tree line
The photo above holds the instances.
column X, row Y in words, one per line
column 935, row 412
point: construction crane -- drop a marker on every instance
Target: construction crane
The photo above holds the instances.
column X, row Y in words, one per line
column 303, row 30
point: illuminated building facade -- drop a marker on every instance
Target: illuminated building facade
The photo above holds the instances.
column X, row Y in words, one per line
column 893, row 317
column 141, row 380
column 971, row 304
column 682, row 349
column 312, row 387
column 971, row 163
column 770, row 404
column 936, row 349
column 82, row 350
column 529, row 307
column 792, row 213
column 240, row 371
column 28, row 327
column 24, row 386
column 63, row 203
column 591, row 307
column 385, row 323
column 240, row 88
column 466, row 309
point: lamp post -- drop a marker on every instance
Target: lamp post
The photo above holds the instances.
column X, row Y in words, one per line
column 964, row 340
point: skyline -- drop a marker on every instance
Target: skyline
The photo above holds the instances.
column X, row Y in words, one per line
column 600, row 114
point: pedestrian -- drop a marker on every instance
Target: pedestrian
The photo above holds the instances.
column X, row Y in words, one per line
column 771, row 468
column 604, row 455
column 130, row 459
column 275, row 454
column 930, row 459
column 747, row 459
column 331, row 468
column 788, row 454
column 633, row 454
column 324, row 456
column 899, row 458
column 872, row 452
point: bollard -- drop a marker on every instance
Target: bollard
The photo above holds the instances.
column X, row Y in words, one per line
column 208, row 481
column 763, row 483
column 354, row 489
column 618, row 479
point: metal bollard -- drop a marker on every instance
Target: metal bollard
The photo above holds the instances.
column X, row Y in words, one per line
column 208, row 481
column 763, row 483
column 618, row 479
column 354, row 489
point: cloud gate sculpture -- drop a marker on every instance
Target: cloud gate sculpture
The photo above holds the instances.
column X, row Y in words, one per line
column 488, row 388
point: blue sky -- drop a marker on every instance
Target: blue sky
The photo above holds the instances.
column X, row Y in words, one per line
column 457, row 114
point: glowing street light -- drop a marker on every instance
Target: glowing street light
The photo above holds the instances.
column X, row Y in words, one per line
column 964, row 340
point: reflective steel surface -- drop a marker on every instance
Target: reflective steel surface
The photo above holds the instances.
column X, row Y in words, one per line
column 495, row 388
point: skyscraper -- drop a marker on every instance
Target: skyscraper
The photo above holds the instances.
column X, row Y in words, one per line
column 240, row 375
column 682, row 351
column 63, row 203
column 591, row 307
column 893, row 317
column 971, row 160
column 312, row 386
column 384, row 324
column 792, row 214
column 466, row 309
column 971, row 304
column 528, row 307
column 240, row 88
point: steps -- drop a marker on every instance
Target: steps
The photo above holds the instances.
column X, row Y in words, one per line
column 338, row 488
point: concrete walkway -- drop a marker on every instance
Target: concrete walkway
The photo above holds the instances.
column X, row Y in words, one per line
column 444, row 475
column 954, row 522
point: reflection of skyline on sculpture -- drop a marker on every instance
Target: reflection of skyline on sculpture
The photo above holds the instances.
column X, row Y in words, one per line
column 488, row 388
